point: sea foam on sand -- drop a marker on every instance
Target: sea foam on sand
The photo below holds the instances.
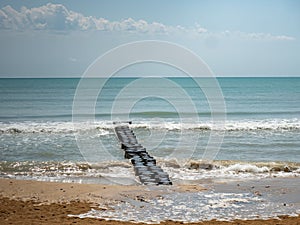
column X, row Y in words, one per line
column 248, row 200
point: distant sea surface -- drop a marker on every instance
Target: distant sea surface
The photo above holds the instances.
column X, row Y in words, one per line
column 37, row 133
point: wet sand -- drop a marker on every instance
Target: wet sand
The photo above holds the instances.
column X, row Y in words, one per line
column 33, row 202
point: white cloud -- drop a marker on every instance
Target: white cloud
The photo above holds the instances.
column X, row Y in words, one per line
column 10, row 18
column 264, row 36
column 58, row 17
column 257, row 36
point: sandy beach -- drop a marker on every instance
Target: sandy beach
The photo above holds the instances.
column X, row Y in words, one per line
column 35, row 202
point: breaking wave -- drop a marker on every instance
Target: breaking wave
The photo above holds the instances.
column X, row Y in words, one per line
column 105, row 126
column 193, row 170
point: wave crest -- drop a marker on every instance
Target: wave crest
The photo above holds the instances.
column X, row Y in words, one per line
column 192, row 170
column 104, row 126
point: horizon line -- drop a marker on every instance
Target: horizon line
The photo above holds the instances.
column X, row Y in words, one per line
column 62, row 77
column 79, row 77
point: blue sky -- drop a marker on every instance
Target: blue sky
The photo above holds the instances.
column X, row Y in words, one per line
column 235, row 38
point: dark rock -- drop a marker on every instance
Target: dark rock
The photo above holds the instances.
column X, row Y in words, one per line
column 287, row 169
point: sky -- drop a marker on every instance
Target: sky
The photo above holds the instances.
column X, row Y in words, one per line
column 235, row 38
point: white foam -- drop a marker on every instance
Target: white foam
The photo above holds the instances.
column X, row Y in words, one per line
column 193, row 207
column 53, row 127
column 219, row 171
column 246, row 168
column 104, row 126
column 230, row 125
column 229, row 171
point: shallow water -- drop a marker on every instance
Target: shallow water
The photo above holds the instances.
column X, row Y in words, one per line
column 221, row 202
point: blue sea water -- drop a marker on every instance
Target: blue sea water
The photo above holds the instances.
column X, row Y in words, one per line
column 51, row 99
column 37, row 119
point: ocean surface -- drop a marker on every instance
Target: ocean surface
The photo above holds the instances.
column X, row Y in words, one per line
column 41, row 136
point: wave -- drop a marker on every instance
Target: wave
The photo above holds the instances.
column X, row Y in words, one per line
column 226, row 169
column 52, row 127
column 230, row 125
column 105, row 126
column 178, row 171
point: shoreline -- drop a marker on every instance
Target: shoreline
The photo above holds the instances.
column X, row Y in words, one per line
column 39, row 202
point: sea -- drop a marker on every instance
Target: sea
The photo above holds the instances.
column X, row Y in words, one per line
column 202, row 131
column 44, row 136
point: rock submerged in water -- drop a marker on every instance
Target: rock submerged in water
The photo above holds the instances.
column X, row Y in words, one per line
column 286, row 169
column 276, row 169
column 14, row 131
column 200, row 165
column 84, row 166
column 172, row 164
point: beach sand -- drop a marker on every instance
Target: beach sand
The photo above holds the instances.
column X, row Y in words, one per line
column 35, row 202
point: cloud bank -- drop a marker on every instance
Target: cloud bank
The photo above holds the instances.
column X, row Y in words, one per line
column 257, row 36
column 56, row 17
